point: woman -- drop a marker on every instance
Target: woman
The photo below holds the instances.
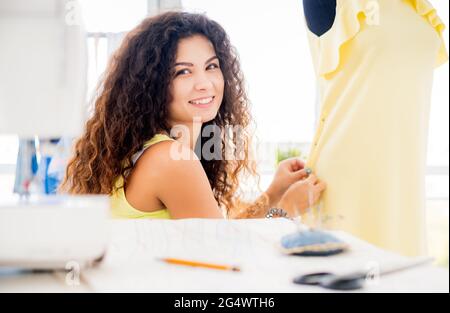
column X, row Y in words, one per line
column 176, row 79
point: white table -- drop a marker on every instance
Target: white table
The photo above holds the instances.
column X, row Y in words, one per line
column 132, row 262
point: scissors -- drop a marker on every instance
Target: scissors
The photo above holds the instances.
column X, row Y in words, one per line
column 351, row 281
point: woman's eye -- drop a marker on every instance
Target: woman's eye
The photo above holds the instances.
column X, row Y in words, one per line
column 182, row 72
column 212, row 66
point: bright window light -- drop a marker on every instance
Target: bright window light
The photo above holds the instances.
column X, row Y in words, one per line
column 112, row 15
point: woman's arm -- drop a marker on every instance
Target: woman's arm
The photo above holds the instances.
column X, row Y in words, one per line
column 290, row 190
column 181, row 185
column 257, row 209
column 294, row 201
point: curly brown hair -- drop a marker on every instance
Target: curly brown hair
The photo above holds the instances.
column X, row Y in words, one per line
column 132, row 106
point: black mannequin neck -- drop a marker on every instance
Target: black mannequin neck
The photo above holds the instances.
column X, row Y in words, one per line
column 320, row 15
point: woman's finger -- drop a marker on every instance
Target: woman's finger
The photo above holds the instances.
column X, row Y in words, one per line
column 320, row 186
column 301, row 174
column 311, row 179
column 317, row 195
column 297, row 164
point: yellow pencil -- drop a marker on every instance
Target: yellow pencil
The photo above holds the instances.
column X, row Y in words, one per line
column 201, row 264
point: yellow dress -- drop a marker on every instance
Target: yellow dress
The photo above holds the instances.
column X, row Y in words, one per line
column 121, row 208
column 375, row 70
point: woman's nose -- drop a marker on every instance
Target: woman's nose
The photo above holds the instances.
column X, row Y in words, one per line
column 203, row 82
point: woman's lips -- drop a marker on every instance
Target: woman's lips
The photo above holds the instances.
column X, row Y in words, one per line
column 202, row 102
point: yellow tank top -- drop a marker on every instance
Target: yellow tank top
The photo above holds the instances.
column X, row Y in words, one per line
column 375, row 72
column 121, row 208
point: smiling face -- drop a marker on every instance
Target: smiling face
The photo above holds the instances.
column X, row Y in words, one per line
column 198, row 84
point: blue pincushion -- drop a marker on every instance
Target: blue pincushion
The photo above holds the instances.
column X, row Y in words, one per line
column 312, row 243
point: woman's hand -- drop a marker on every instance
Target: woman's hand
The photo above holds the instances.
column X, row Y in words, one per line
column 296, row 199
column 289, row 172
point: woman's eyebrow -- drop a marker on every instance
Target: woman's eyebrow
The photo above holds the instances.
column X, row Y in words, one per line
column 190, row 64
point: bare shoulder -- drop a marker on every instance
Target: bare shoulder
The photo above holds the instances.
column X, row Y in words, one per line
column 174, row 175
column 165, row 157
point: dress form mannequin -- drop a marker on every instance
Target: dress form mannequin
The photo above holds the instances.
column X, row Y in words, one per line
column 374, row 63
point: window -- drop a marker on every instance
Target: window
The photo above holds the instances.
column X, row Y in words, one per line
column 438, row 145
column 113, row 16
column 9, row 145
column 106, row 22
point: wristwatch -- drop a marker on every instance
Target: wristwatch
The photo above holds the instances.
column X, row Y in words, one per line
column 276, row 212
